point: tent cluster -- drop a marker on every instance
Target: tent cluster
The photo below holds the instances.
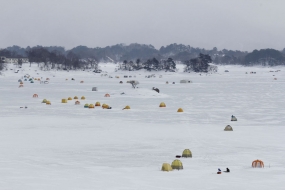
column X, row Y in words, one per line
column 163, row 105
column 97, row 104
column 28, row 78
column 64, row 100
column 176, row 164
column 47, row 102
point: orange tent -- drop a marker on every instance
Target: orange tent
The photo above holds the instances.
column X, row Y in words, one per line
column 35, row 96
column 107, row 95
column 257, row 164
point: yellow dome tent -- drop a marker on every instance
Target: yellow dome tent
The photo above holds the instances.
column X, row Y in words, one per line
column 127, row 107
column 166, row 167
column 105, row 106
column 75, row 98
column 91, row 106
column 63, row 100
column 177, row 165
column 162, row 105
column 44, row 101
column 97, row 104
column 180, row 110
column 82, row 98
column 69, row 98
column 48, row 103
column 187, row 153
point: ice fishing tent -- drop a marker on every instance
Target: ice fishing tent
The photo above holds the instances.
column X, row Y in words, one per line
column 35, row 96
column 21, row 85
column 77, row 103
column 97, row 104
column 121, row 82
column 63, row 100
column 75, row 98
column 82, row 98
column 105, row 106
column 48, row 103
column 257, row 164
column 233, row 118
column 107, row 95
column 86, row 106
column 91, row 106
column 187, row 153
column 19, row 80
column 166, row 167
column 162, row 105
column 127, row 108
column 177, row 165
column 44, row 101
column 82, row 81
column 228, row 128
column 180, row 110
column 94, row 89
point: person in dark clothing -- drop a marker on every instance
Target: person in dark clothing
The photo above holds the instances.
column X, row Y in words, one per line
column 228, row 170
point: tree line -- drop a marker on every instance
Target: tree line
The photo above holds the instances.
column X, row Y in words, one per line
column 152, row 64
column 82, row 57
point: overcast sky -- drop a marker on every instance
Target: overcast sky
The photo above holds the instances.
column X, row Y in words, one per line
column 231, row 24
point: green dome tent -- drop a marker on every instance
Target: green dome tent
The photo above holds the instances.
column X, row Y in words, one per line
column 177, row 165
column 166, row 167
column 187, row 153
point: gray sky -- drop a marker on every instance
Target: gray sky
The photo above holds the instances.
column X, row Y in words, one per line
column 231, row 24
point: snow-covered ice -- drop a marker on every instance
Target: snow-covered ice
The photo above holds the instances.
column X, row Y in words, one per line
column 65, row 146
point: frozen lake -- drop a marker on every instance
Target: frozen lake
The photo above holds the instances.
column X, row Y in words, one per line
column 65, row 146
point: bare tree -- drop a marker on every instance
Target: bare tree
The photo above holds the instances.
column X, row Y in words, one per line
column 134, row 83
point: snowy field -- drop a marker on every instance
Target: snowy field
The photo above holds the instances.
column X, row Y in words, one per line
column 68, row 147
